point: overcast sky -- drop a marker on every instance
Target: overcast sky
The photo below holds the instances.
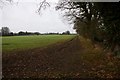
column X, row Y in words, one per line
column 23, row 17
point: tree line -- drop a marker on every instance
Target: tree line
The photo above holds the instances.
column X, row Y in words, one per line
column 96, row 21
column 5, row 31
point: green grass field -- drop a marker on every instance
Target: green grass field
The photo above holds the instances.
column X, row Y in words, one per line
column 11, row 43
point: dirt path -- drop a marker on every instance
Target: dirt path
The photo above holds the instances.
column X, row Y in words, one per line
column 60, row 60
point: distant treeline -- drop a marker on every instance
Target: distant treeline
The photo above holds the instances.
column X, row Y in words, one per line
column 5, row 31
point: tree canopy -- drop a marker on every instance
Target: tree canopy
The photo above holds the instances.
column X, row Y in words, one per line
column 96, row 21
column 5, row 31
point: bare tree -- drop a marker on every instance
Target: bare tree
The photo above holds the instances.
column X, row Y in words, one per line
column 43, row 5
column 3, row 2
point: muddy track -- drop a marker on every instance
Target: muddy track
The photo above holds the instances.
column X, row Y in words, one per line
column 58, row 60
column 53, row 60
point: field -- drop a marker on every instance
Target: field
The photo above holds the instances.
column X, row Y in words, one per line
column 27, row 42
column 56, row 56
